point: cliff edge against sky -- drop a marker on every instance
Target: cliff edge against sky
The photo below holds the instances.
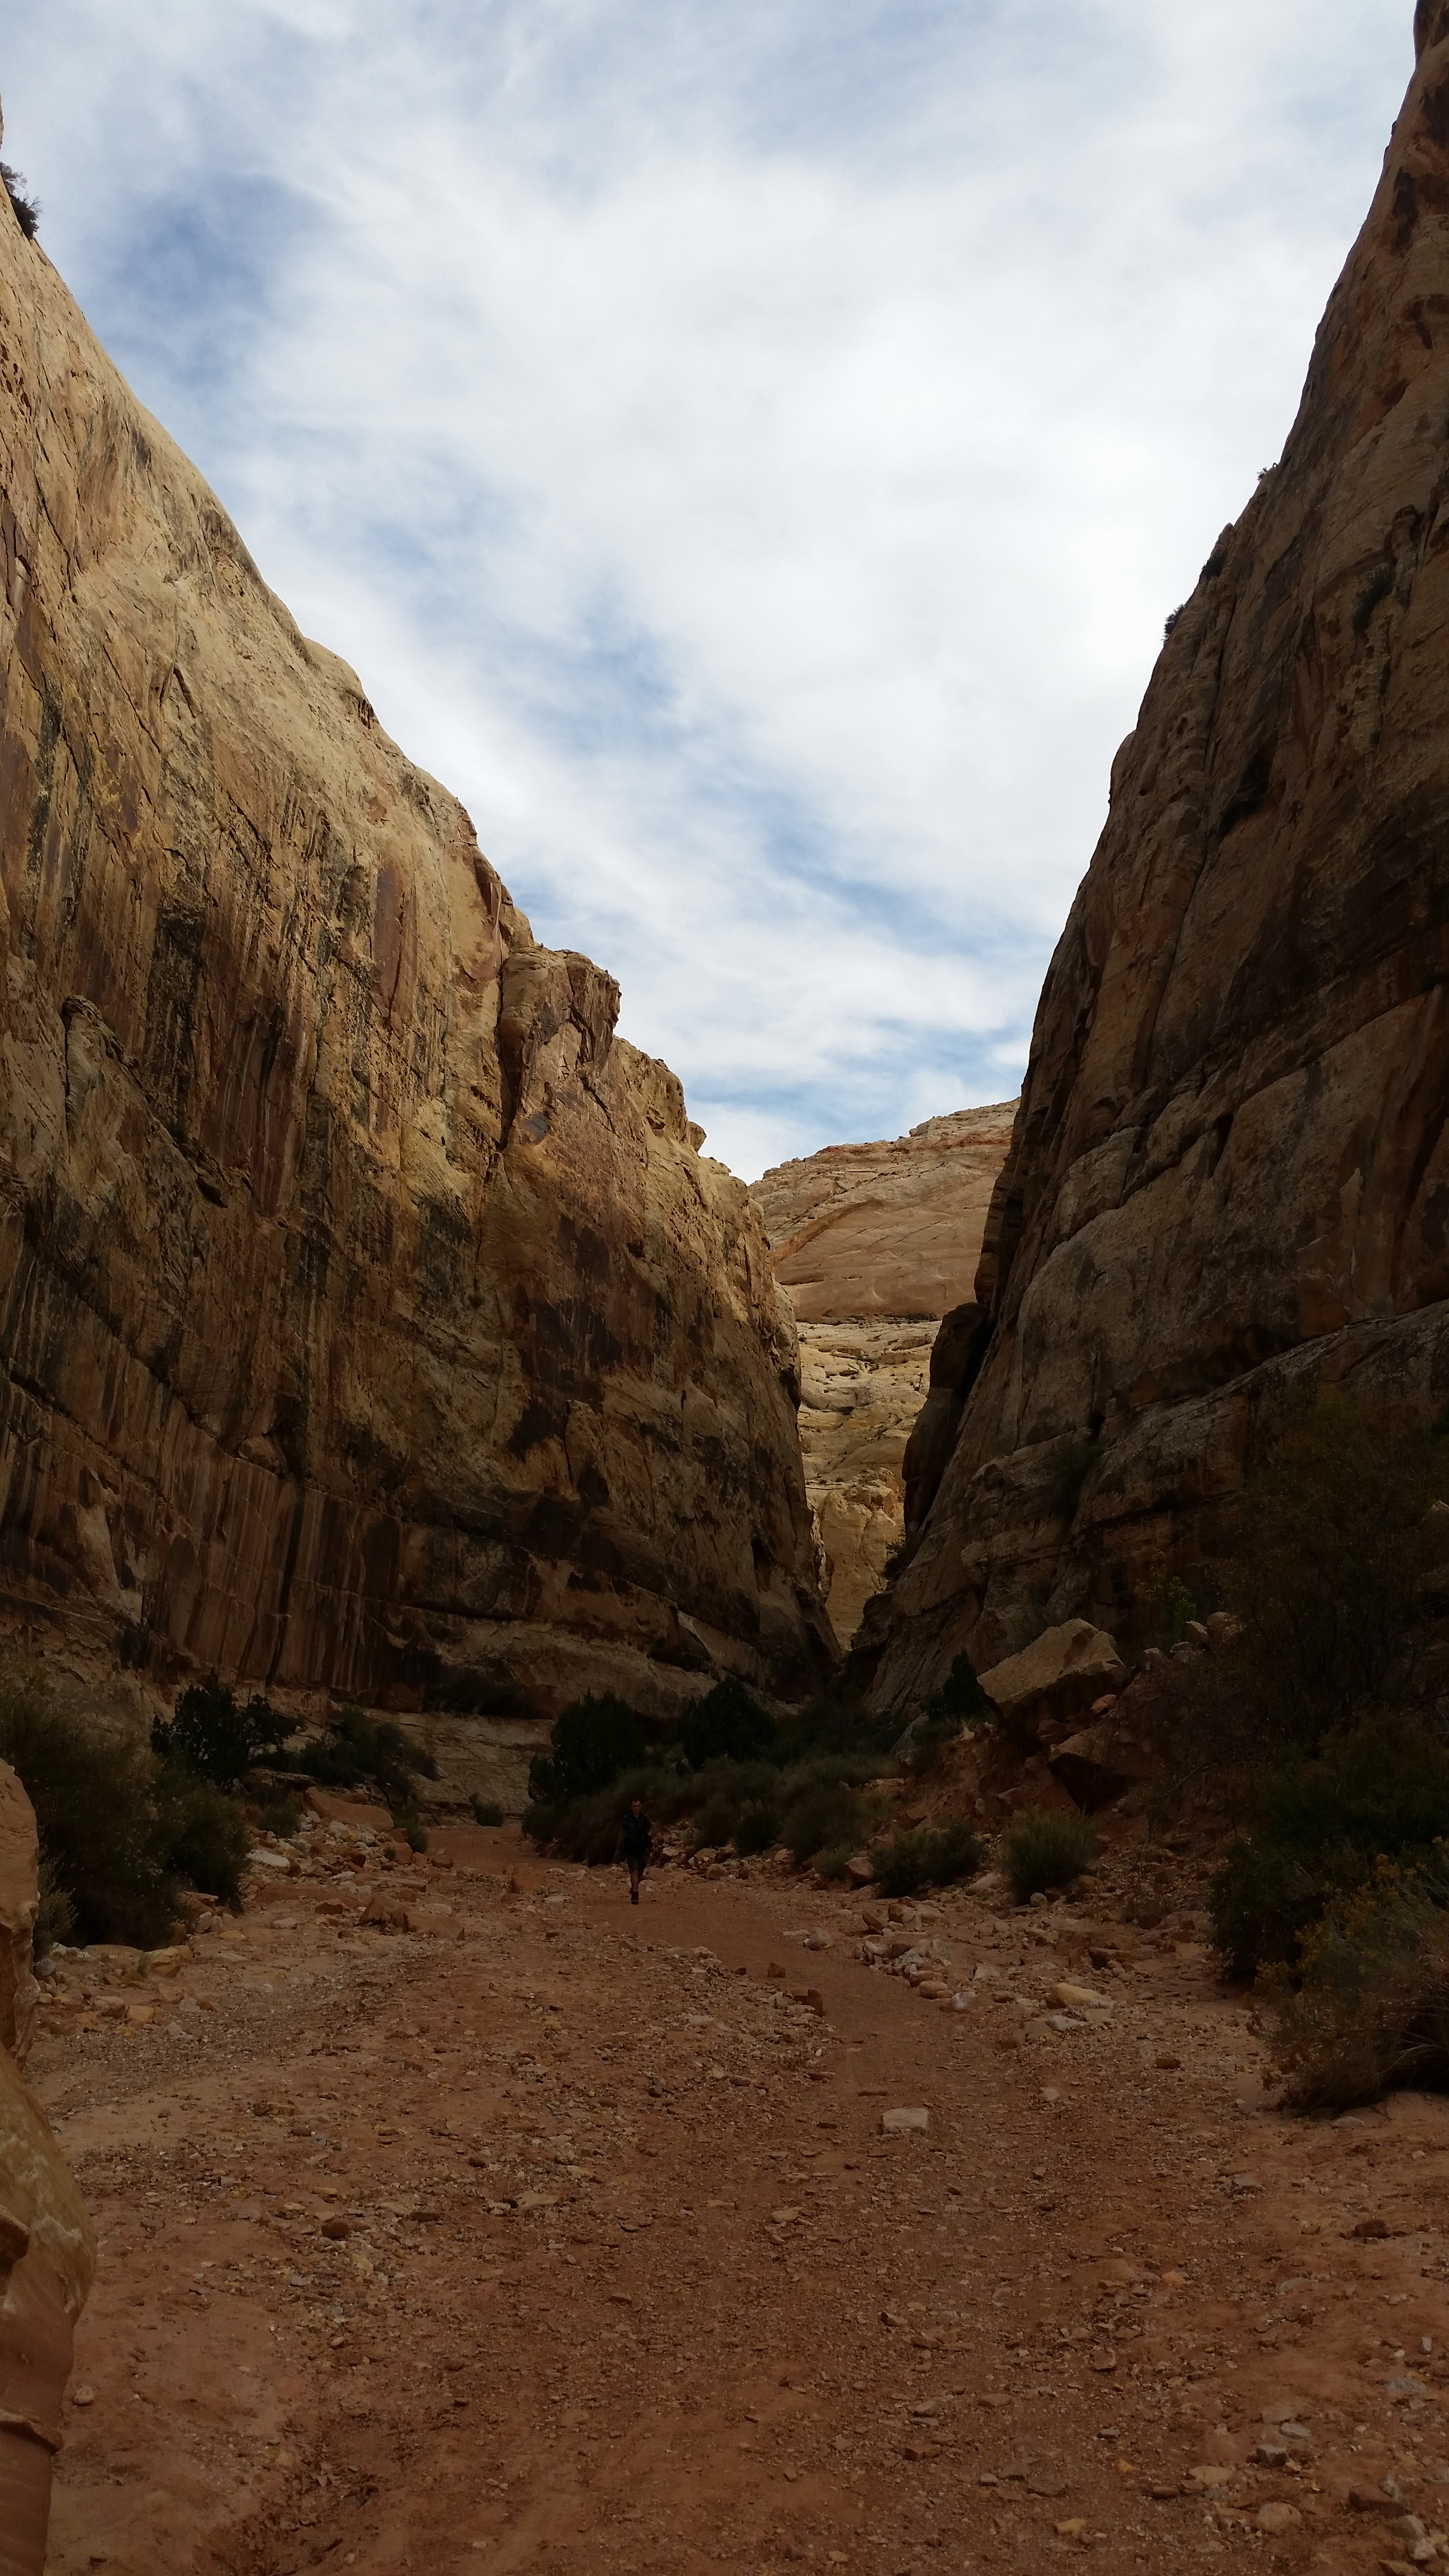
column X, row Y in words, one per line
column 1230, row 1170
column 369, row 1321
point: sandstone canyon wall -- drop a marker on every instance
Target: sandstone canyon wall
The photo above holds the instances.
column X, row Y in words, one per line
column 47, row 2243
column 1230, row 1171
column 369, row 1320
column 873, row 1244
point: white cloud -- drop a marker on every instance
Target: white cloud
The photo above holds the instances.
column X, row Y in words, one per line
column 749, row 454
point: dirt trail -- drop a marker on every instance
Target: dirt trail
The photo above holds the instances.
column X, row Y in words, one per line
column 623, row 2271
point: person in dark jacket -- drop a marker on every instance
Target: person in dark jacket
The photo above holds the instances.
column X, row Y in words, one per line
column 637, row 1836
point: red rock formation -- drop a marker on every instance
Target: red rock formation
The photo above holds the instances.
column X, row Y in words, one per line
column 47, row 2247
column 870, row 1242
column 368, row 1317
column 1230, row 1170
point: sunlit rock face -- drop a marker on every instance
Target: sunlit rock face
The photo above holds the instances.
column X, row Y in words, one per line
column 1230, row 1170
column 873, row 1243
column 369, row 1320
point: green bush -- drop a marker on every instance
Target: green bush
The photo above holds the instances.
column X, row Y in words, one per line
column 414, row 1831
column 55, row 1917
column 203, row 1832
column 959, row 1699
column 593, row 1740
column 726, row 1725
column 362, row 1751
column 281, row 1816
column 487, row 1811
column 1369, row 2006
column 834, row 1863
column 1326, row 1560
column 1376, row 1790
column 927, row 1858
column 587, row 1829
column 216, row 1739
column 119, row 1832
column 756, row 1828
column 1047, row 1847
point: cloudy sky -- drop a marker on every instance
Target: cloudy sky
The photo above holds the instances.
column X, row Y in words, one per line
column 748, row 451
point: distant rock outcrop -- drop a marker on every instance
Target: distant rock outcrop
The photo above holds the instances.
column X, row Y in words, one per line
column 369, row 1320
column 872, row 1244
column 1230, row 1170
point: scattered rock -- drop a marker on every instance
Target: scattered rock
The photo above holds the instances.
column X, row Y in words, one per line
column 902, row 2123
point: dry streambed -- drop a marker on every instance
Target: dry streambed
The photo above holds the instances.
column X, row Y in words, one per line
column 554, row 2235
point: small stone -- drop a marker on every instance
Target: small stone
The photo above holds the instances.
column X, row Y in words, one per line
column 1075, row 1997
column 1168, row 2062
column 1278, row 2517
column 336, row 2228
column 1212, row 2473
column 907, row 2122
column 817, row 1941
column 83, row 2396
column 1271, row 2455
column 775, row 1970
column 1373, row 2228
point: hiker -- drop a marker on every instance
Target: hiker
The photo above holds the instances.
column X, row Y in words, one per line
column 637, row 1835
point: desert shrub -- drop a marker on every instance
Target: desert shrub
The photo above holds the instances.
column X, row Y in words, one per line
column 835, row 1725
column 1369, row 2006
column 280, row 1816
column 927, row 1858
column 203, row 1832
column 27, row 211
column 486, row 1811
column 834, row 1863
column 1164, row 1603
column 414, row 1831
column 55, row 1917
column 901, row 1554
column 215, row 1738
column 587, row 1829
column 103, row 1842
column 725, row 1725
column 1319, row 1824
column 756, row 1828
column 1046, row 1847
column 1326, row 1561
column 593, row 1740
column 948, row 1709
column 362, row 1750
column 821, row 1815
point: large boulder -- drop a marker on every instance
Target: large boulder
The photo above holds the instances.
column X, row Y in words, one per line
column 1055, row 1679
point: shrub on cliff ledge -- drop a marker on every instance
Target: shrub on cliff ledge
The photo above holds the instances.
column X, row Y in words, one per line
column 363, row 1751
column 26, row 209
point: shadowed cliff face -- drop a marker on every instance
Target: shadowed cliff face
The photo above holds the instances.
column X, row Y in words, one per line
column 1230, row 1169
column 368, row 1319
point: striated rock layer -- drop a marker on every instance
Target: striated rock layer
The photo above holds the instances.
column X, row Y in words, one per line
column 1230, row 1171
column 369, row 1320
column 872, row 1244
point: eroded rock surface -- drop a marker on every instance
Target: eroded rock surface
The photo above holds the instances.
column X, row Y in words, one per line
column 369, row 1319
column 47, row 2245
column 19, row 1897
column 872, row 1244
column 1230, row 1170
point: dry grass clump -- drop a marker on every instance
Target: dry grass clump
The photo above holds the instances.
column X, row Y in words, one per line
column 928, row 1858
column 1047, row 1847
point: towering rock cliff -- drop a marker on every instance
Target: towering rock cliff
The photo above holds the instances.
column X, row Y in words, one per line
column 1230, row 1171
column 872, row 1244
column 369, row 1321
